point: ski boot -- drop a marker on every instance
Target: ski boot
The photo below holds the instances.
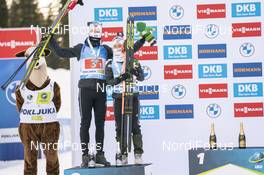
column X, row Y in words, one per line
column 101, row 160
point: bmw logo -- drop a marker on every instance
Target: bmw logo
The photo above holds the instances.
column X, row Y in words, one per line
column 176, row 12
column 212, row 31
column 178, row 91
column 44, row 96
column 10, row 92
column 247, row 49
column 147, row 72
column 213, row 110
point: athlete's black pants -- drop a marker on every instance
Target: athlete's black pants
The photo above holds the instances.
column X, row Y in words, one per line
column 137, row 136
column 91, row 99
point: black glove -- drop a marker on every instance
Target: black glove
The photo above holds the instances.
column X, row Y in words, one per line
column 124, row 76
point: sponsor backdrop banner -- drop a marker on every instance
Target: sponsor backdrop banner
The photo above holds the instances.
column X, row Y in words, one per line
column 12, row 41
column 206, row 68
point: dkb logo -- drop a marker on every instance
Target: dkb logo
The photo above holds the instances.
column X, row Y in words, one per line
column 108, row 14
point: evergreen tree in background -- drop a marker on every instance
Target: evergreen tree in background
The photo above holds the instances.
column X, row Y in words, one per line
column 3, row 14
column 63, row 39
column 24, row 13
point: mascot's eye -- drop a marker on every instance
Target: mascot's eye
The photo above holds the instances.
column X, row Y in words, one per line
column 37, row 64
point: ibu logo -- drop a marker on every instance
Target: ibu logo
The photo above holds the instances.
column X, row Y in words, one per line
column 248, row 90
column 211, row 31
column 177, row 52
column 212, row 70
column 149, row 112
column 108, row 14
column 246, row 9
column 247, row 49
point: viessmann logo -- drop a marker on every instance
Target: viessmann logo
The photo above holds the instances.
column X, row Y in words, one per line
column 110, row 113
column 179, row 111
column 144, row 13
column 213, row 91
column 109, row 33
column 246, row 29
column 211, row 11
column 13, row 44
column 147, row 53
column 248, row 109
column 178, row 72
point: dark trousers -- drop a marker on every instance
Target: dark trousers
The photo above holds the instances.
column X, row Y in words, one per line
column 33, row 134
column 137, row 136
column 91, row 99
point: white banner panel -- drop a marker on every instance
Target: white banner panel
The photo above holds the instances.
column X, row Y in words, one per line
column 206, row 68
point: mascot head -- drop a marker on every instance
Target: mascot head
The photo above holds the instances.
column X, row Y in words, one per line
column 39, row 73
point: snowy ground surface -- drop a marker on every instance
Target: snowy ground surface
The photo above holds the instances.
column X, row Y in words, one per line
column 62, row 77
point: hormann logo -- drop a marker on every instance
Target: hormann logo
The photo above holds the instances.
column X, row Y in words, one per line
column 248, row 90
column 147, row 53
column 212, row 70
column 246, row 9
column 113, row 14
column 178, row 72
column 38, row 111
column 110, row 32
column 213, row 91
column 211, row 11
column 177, row 32
column 247, row 69
column 145, row 13
column 248, row 109
column 149, row 112
column 246, row 29
column 13, row 44
column 179, row 111
column 177, row 52
column 212, row 51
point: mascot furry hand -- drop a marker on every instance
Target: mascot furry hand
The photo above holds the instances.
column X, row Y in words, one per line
column 38, row 104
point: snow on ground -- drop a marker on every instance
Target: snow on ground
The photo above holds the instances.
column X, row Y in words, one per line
column 16, row 167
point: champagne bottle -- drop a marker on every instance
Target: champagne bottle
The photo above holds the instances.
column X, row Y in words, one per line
column 242, row 137
column 212, row 140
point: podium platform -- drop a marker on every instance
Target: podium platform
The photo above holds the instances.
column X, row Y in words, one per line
column 113, row 170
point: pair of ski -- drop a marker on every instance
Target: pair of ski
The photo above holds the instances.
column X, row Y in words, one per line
column 127, row 94
column 40, row 48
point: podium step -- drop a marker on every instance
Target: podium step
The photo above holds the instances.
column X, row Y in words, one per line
column 113, row 170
